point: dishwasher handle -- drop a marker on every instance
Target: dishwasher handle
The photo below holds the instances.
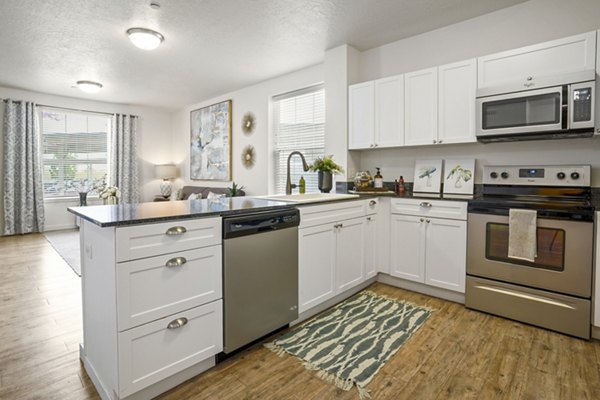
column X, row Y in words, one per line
column 256, row 223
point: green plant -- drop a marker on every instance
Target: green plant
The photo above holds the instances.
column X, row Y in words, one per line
column 234, row 190
column 326, row 164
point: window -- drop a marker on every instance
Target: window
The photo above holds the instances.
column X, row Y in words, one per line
column 299, row 124
column 75, row 150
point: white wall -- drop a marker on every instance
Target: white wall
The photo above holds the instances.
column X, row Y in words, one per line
column 255, row 99
column 524, row 24
column 154, row 146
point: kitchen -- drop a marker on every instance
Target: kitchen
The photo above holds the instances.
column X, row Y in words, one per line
column 502, row 30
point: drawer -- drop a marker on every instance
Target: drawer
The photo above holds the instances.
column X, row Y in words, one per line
column 329, row 213
column 149, row 240
column 153, row 352
column 372, row 206
column 430, row 208
column 148, row 289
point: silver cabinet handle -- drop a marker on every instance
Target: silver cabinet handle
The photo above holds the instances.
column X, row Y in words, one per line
column 529, row 78
column 176, row 262
column 440, row 141
column 176, row 231
column 425, row 204
column 372, row 203
column 434, row 141
column 422, row 219
column 177, row 323
column 368, row 218
column 337, row 226
column 428, row 220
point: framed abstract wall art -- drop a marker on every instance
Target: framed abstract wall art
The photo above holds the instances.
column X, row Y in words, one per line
column 210, row 147
column 428, row 176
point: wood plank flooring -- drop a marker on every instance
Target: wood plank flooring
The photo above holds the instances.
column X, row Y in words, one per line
column 457, row 354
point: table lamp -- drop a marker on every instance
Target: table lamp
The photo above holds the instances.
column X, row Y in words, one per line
column 165, row 172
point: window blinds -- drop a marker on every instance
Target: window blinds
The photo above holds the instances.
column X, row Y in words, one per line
column 299, row 125
column 75, row 150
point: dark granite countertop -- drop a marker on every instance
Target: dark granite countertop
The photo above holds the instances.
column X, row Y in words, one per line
column 143, row 213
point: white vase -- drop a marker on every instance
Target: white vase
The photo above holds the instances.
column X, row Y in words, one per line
column 110, row 200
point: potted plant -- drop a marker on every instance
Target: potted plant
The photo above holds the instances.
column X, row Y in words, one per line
column 326, row 167
column 235, row 189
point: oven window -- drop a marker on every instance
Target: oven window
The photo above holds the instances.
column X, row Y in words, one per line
column 543, row 109
column 550, row 247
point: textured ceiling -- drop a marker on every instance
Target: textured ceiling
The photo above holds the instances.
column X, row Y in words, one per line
column 211, row 46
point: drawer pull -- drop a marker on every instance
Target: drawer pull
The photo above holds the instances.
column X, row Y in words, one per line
column 177, row 323
column 426, row 204
column 176, row 262
column 372, row 203
column 176, row 231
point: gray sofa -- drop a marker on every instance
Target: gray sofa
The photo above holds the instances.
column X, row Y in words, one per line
column 204, row 190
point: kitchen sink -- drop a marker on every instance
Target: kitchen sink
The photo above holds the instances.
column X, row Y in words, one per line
column 311, row 197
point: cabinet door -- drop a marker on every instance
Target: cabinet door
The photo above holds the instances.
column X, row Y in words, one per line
column 154, row 351
column 524, row 66
column 407, row 250
column 596, row 316
column 446, row 253
column 361, row 115
column 316, row 265
column 371, row 246
column 389, row 111
column 420, row 107
column 350, row 263
column 456, row 89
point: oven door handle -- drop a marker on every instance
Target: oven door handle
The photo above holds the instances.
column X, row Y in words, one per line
column 527, row 296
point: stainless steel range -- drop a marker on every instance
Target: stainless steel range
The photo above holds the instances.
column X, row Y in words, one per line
column 554, row 290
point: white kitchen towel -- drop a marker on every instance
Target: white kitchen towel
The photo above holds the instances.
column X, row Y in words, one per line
column 522, row 234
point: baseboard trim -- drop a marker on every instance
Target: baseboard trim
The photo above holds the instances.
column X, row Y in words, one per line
column 421, row 288
column 332, row 302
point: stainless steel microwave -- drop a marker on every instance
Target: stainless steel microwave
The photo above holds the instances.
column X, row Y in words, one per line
column 552, row 112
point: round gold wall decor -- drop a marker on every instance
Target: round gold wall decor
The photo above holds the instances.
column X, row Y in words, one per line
column 248, row 156
column 248, row 123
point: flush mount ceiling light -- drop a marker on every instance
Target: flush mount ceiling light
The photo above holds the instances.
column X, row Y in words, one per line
column 89, row 86
column 145, row 39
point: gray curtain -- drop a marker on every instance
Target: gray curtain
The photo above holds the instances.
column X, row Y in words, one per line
column 23, row 192
column 123, row 157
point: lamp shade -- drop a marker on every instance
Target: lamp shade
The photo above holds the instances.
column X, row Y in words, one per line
column 166, row 171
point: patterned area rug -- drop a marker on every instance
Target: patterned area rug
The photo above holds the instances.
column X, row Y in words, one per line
column 66, row 243
column 349, row 343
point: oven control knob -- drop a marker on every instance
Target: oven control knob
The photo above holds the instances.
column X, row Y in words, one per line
column 504, row 175
column 493, row 175
column 574, row 175
column 561, row 175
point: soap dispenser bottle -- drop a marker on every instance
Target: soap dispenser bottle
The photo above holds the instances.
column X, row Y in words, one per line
column 302, row 185
column 378, row 179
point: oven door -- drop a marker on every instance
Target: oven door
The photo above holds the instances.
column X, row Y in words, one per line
column 532, row 111
column 564, row 254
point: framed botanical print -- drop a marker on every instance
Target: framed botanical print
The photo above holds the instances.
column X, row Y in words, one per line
column 428, row 176
column 459, row 176
column 210, row 145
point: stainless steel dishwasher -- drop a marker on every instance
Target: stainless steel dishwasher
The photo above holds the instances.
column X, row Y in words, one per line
column 260, row 275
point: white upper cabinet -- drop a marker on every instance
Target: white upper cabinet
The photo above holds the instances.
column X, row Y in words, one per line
column 456, row 93
column 531, row 66
column 389, row 111
column 598, row 89
column 376, row 113
column 361, row 115
column 421, row 107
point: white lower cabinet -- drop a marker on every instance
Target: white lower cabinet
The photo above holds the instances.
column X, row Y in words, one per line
column 149, row 318
column 445, row 253
column 350, row 253
column 429, row 250
column 371, row 236
column 316, row 264
column 152, row 352
column 333, row 257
